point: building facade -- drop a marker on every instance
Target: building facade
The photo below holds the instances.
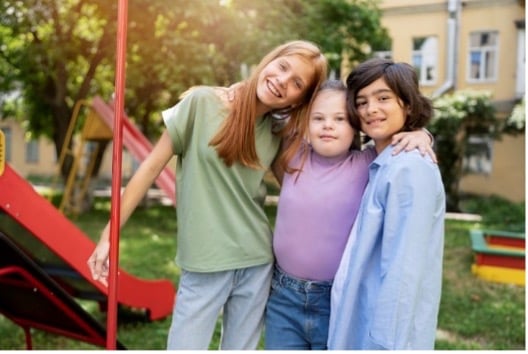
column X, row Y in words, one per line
column 37, row 157
column 469, row 44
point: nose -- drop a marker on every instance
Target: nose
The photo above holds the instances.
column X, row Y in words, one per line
column 286, row 78
column 372, row 107
column 328, row 124
column 282, row 80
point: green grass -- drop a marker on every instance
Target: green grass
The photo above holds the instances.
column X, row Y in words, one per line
column 474, row 314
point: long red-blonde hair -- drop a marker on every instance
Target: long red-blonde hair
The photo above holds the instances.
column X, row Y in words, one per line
column 235, row 140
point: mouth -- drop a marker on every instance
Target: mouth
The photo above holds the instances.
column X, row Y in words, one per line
column 327, row 137
column 273, row 89
column 375, row 121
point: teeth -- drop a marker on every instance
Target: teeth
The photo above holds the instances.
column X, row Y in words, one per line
column 273, row 90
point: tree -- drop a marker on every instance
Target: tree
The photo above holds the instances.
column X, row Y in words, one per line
column 49, row 59
column 457, row 117
column 348, row 31
column 56, row 52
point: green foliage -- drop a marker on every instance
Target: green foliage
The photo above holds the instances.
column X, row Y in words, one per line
column 56, row 52
column 457, row 117
column 497, row 213
column 348, row 31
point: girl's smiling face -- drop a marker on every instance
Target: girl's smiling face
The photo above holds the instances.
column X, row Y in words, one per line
column 284, row 82
column 330, row 132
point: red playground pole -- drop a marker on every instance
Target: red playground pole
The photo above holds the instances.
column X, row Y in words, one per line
column 111, row 322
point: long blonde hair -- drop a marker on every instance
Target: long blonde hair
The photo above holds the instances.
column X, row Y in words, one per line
column 235, row 140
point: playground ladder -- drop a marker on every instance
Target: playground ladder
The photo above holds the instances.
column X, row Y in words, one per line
column 83, row 159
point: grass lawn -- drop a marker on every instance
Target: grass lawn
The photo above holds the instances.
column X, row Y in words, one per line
column 474, row 314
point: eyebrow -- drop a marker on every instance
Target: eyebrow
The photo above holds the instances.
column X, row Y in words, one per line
column 377, row 92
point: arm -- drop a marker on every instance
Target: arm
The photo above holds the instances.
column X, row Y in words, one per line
column 136, row 189
column 419, row 139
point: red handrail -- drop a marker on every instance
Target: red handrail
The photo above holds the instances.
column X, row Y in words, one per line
column 111, row 323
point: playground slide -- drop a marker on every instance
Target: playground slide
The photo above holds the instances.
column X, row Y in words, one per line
column 25, row 215
column 137, row 144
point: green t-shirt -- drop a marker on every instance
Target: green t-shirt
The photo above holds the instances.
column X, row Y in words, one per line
column 221, row 220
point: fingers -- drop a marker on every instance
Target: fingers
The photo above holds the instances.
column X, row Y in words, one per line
column 231, row 90
column 230, row 94
column 99, row 268
column 429, row 151
column 397, row 148
column 414, row 140
column 400, row 142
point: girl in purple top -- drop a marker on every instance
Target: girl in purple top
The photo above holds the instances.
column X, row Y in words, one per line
column 317, row 207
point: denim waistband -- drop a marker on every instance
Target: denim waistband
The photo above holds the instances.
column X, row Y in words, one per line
column 287, row 280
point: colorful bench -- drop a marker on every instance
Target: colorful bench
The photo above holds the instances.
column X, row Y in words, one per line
column 499, row 256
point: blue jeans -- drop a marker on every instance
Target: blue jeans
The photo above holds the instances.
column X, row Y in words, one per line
column 297, row 313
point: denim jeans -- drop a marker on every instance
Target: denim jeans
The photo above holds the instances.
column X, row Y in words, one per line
column 297, row 313
column 240, row 295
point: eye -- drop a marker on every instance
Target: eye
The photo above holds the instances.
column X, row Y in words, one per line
column 360, row 103
column 299, row 84
column 341, row 118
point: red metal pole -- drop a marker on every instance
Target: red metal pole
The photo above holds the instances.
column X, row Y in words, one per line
column 119, row 104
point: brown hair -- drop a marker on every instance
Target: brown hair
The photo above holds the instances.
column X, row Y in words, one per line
column 235, row 141
column 401, row 79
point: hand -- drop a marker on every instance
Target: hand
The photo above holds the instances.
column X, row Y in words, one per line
column 98, row 261
column 231, row 91
column 419, row 139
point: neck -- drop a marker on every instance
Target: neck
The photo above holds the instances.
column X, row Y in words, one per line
column 381, row 145
column 262, row 109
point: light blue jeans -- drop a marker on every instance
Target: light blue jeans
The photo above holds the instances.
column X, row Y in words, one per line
column 297, row 313
column 240, row 295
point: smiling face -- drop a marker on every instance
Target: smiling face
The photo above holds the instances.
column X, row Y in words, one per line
column 330, row 132
column 382, row 113
column 283, row 83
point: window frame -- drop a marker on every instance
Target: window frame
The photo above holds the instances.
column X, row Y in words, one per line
column 483, row 52
column 430, row 62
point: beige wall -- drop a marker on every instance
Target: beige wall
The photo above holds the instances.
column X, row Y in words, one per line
column 406, row 19
column 507, row 177
column 47, row 162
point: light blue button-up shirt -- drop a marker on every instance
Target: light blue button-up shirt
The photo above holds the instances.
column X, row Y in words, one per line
column 386, row 292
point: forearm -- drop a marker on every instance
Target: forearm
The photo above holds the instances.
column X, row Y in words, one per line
column 142, row 180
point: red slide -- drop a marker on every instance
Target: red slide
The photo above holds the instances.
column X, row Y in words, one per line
column 30, row 219
column 138, row 145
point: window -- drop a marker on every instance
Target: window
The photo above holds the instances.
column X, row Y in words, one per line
column 477, row 159
column 32, row 151
column 8, row 143
column 483, row 48
column 424, row 59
